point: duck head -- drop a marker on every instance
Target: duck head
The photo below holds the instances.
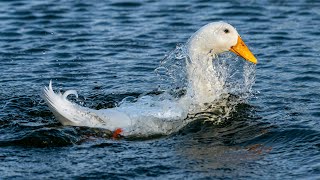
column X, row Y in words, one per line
column 215, row 38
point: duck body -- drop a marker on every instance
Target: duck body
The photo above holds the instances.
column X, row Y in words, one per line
column 146, row 116
column 150, row 115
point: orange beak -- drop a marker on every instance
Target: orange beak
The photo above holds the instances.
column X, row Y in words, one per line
column 243, row 51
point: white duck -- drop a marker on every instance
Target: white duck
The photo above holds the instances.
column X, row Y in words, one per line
column 167, row 115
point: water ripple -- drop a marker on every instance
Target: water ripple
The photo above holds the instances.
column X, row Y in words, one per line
column 108, row 50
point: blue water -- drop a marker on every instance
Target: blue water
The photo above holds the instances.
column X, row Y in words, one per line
column 109, row 50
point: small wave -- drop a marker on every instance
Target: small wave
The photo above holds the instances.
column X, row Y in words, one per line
column 55, row 137
column 295, row 136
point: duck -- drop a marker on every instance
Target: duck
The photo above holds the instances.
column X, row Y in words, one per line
column 167, row 116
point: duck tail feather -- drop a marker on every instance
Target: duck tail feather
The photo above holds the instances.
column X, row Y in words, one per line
column 65, row 111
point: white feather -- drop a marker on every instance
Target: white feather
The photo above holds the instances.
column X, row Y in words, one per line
column 69, row 113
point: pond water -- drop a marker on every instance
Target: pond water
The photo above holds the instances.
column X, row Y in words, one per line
column 110, row 50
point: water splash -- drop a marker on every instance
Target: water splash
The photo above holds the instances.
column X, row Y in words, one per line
column 172, row 71
column 237, row 75
column 230, row 79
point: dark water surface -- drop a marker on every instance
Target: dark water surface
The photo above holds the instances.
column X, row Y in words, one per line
column 109, row 50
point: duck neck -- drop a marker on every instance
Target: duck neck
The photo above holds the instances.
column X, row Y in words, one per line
column 203, row 82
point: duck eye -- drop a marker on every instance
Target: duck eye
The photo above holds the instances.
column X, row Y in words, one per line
column 226, row 30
